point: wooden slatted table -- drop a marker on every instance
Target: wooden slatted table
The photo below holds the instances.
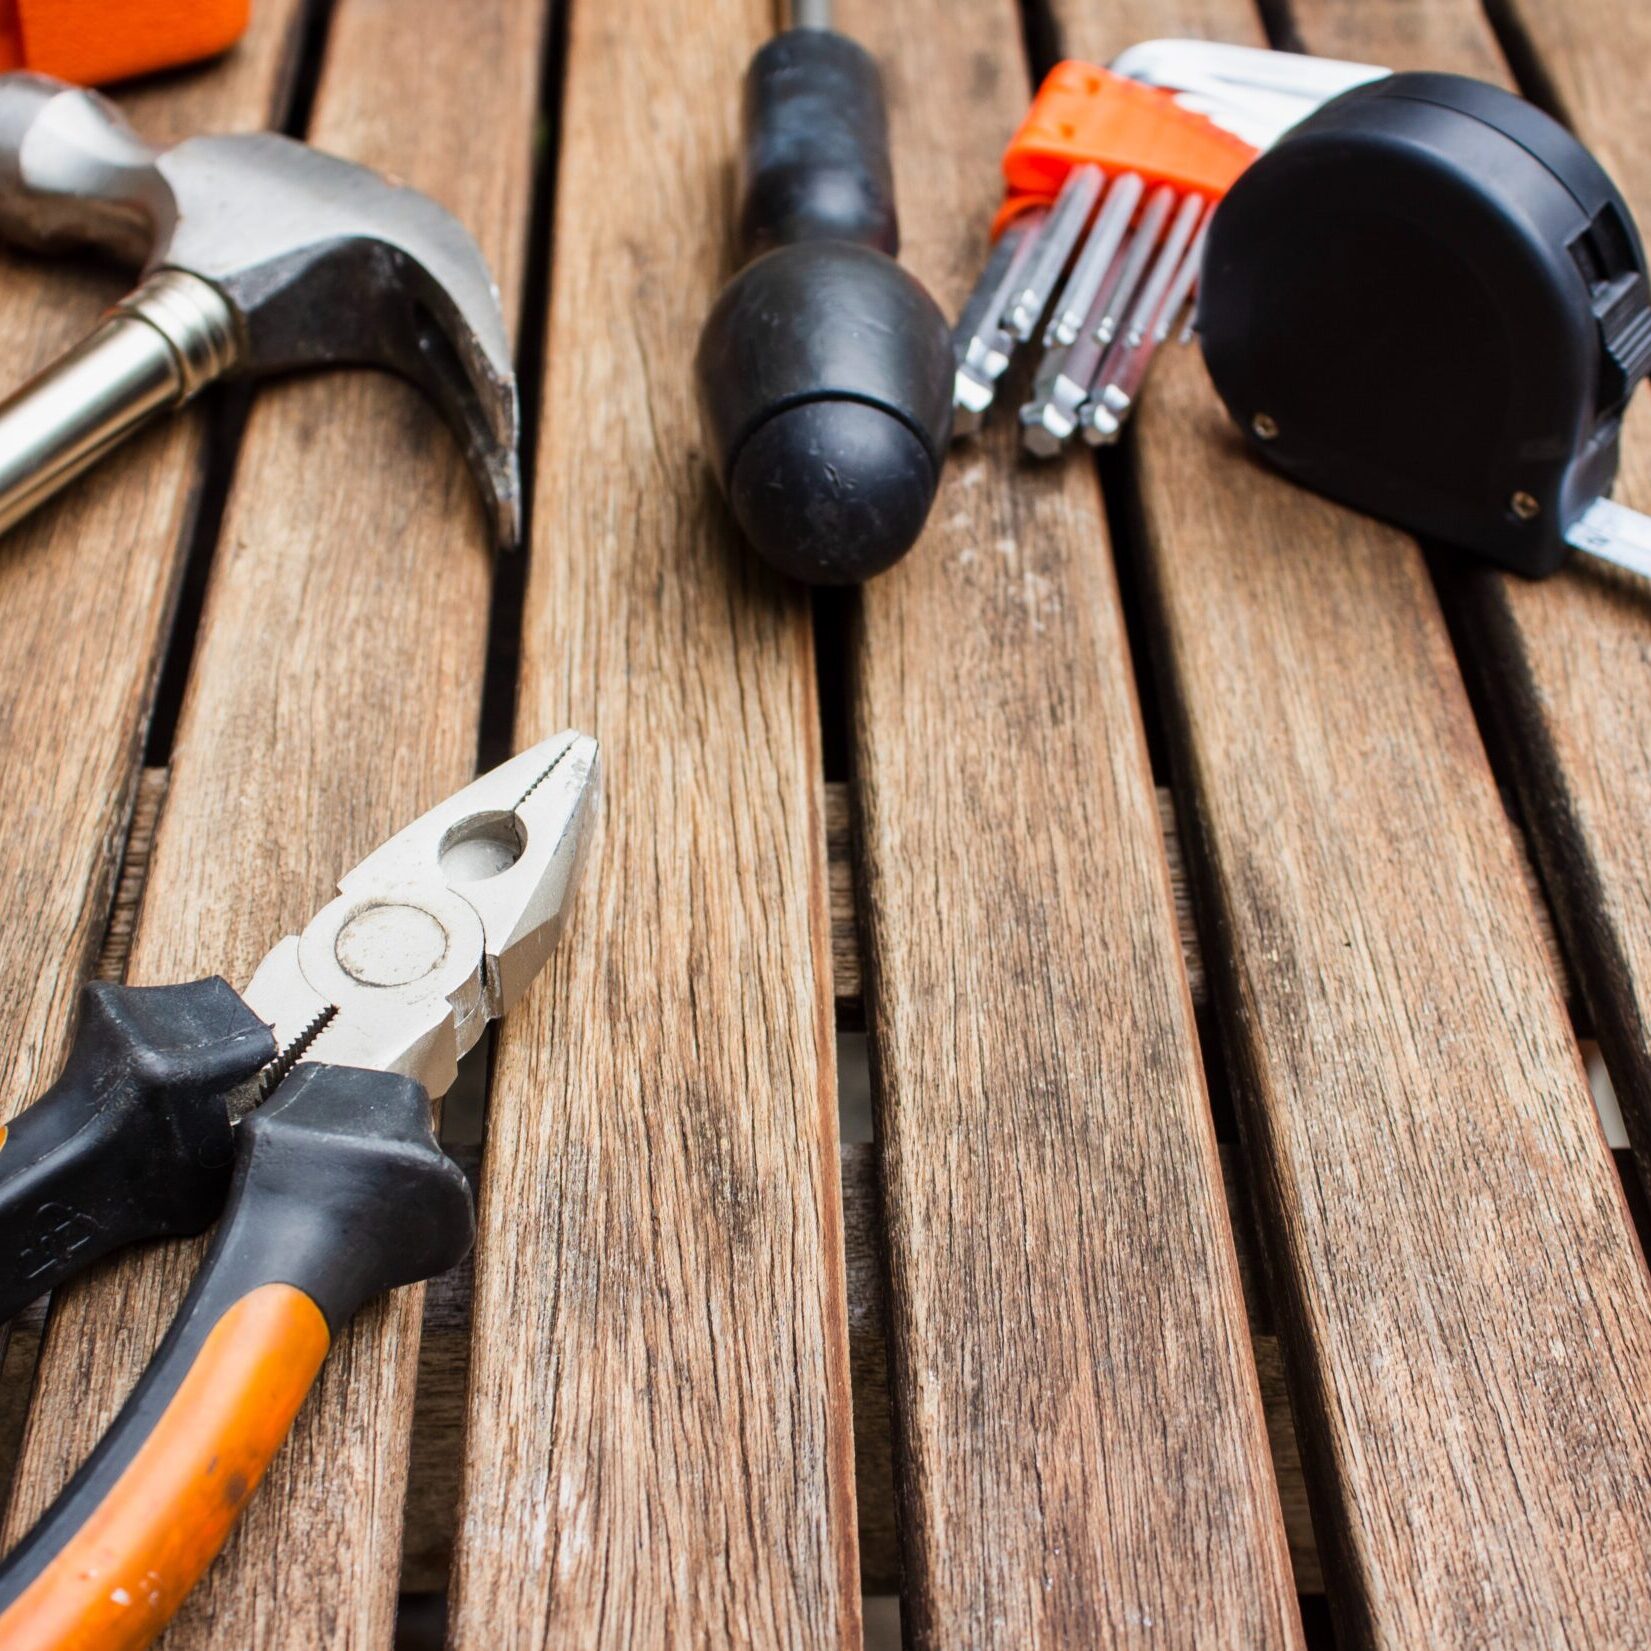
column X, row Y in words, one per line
column 1236, row 1257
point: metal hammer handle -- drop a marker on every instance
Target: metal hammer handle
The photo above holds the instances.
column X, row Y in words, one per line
column 169, row 339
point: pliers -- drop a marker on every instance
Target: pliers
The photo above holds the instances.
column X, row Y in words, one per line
column 305, row 1102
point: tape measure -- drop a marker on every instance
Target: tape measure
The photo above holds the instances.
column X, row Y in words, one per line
column 1430, row 302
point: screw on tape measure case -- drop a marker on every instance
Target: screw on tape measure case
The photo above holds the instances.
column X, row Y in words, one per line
column 1429, row 301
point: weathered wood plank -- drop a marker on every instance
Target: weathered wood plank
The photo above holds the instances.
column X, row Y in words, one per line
column 1570, row 655
column 1563, row 664
column 444, row 1359
column 444, row 1345
column 845, row 919
column 87, row 587
column 660, row 1446
column 334, row 694
column 1081, row 1451
column 1466, row 1312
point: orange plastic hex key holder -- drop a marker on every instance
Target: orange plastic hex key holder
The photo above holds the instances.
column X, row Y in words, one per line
column 1087, row 116
column 94, row 41
column 340, row 1191
column 1110, row 184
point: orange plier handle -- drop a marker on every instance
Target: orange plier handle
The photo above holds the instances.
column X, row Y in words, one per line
column 326, row 1174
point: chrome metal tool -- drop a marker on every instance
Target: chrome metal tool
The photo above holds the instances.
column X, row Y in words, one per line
column 1164, row 296
column 432, row 936
column 984, row 343
column 1108, row 184
column 259, row 255
column 1256, row 94
column 441, row 929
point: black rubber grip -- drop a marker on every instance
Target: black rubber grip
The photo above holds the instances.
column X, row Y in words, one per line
column 815, row 163
column 339, row 1191
column 134, row 1140
column 824, row 369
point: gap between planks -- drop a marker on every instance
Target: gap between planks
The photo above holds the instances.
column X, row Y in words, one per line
column 444, row 1354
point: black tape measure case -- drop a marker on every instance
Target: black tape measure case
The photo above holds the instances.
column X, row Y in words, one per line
column 1430, row 302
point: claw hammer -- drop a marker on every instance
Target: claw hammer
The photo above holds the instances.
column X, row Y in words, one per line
column 259, row 255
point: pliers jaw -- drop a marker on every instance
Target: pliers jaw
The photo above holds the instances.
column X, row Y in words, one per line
column 442, row 928
column 514, row 843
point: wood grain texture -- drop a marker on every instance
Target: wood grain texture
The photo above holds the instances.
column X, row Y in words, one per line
column 1466, row 1311
column 1570, row 655
column 87, row 588
column 1081, row 1450
column 845, row 918
column 334, row 695
column 444, row 1340
column 1563, row 664
column 660, row 1444
column 444, row 1361
column 846, row 944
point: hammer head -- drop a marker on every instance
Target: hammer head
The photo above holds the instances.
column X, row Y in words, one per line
column 321, row 260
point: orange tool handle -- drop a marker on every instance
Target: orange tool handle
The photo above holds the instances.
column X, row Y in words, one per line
column 327, row 1174
column 125, row 1570
column 1085, row 116
column 93, row 41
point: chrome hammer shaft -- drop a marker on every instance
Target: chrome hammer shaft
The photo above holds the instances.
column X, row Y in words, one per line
column 154, row 351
